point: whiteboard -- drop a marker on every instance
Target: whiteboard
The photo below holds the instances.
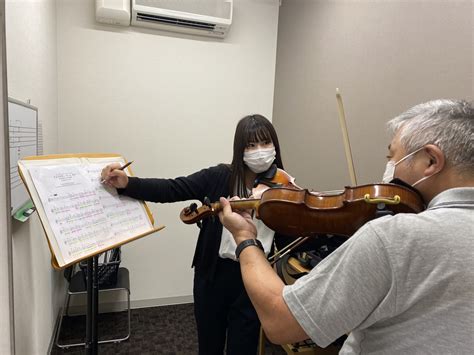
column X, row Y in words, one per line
column 23, row 142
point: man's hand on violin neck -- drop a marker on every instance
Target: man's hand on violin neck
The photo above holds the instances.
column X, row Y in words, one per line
column 238, row 223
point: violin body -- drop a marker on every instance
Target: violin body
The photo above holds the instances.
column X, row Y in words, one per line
column 300, row 212
column 275, row 179
column 304, row 213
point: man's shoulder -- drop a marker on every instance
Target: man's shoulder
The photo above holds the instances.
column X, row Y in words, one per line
column 400, row 220
column 395, row 228
column 410, row 229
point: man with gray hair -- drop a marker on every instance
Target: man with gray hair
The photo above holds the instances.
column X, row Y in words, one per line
column 402, row 284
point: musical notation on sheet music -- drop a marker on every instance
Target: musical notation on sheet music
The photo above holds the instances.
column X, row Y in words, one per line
column 83, row 213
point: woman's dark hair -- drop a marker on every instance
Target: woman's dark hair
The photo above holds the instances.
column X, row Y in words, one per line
column 250, row 129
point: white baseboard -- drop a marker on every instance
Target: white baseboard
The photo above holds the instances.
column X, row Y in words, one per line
column 105, row 307
column 157, row 302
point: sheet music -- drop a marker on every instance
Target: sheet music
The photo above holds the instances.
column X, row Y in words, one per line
column 84, row 214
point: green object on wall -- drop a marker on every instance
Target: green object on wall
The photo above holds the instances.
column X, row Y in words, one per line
column 25, row 212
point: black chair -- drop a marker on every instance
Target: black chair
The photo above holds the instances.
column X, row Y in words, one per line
column 112, row 278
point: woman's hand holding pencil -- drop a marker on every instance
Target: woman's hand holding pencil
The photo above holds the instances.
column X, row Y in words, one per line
column 114, row 175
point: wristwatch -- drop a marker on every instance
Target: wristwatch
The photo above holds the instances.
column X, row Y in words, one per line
column 246, row 243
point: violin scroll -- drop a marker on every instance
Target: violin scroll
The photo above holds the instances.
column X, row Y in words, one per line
column 193, row 213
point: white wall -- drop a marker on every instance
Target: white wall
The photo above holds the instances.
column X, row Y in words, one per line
column 169, row 102
column 6, row 311
column 154, row 97
column 32, row 74
column 385, row 56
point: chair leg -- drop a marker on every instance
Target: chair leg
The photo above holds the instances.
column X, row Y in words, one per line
column 61, row 316
column 129, row 316
column 119, row 340
column 68, row 298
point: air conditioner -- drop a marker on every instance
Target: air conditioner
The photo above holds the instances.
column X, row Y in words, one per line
column 113, row 12
column 201, row 17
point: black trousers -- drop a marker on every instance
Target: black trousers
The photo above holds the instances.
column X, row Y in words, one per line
column 225, row 316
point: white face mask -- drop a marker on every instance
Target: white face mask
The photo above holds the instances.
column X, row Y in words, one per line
column 389, row 173
column 259, row 160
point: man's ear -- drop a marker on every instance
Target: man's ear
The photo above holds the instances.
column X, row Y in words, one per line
column 435, row 159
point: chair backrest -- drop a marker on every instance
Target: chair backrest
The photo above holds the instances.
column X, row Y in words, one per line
column 107, row 271
column 69, row 272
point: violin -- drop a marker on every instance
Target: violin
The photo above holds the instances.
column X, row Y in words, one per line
column 300, row 212
column 273, row 178
column 304, row 213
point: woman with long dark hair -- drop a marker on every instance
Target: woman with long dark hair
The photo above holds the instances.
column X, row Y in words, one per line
column 225, row 317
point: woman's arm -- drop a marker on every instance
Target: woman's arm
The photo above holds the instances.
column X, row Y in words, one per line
column 192, row 187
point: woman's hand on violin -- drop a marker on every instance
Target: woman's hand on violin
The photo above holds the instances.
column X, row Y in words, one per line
column 240, row 223
column 112, row 176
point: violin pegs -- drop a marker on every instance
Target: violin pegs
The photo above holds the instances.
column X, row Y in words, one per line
column 191, row 209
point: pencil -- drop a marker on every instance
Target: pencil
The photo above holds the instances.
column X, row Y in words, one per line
column 121, row 168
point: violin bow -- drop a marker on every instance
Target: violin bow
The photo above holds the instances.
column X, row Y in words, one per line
column 350, row 164
column 345, row 136
column 286, row 249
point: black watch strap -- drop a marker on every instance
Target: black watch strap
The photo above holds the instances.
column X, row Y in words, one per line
column 246, row 243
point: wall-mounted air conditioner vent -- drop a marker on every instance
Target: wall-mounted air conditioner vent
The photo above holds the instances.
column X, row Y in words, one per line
column 175, row 21
column 202, row 17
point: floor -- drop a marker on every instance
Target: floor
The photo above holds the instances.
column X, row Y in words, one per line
column 157, row 330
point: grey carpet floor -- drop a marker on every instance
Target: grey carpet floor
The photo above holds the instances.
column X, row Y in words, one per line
column 167, row 330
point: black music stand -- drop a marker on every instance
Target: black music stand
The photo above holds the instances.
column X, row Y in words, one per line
column 92, row 315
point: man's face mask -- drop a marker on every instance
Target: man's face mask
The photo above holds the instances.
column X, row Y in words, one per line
column 260, row 159
column 388, row 175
